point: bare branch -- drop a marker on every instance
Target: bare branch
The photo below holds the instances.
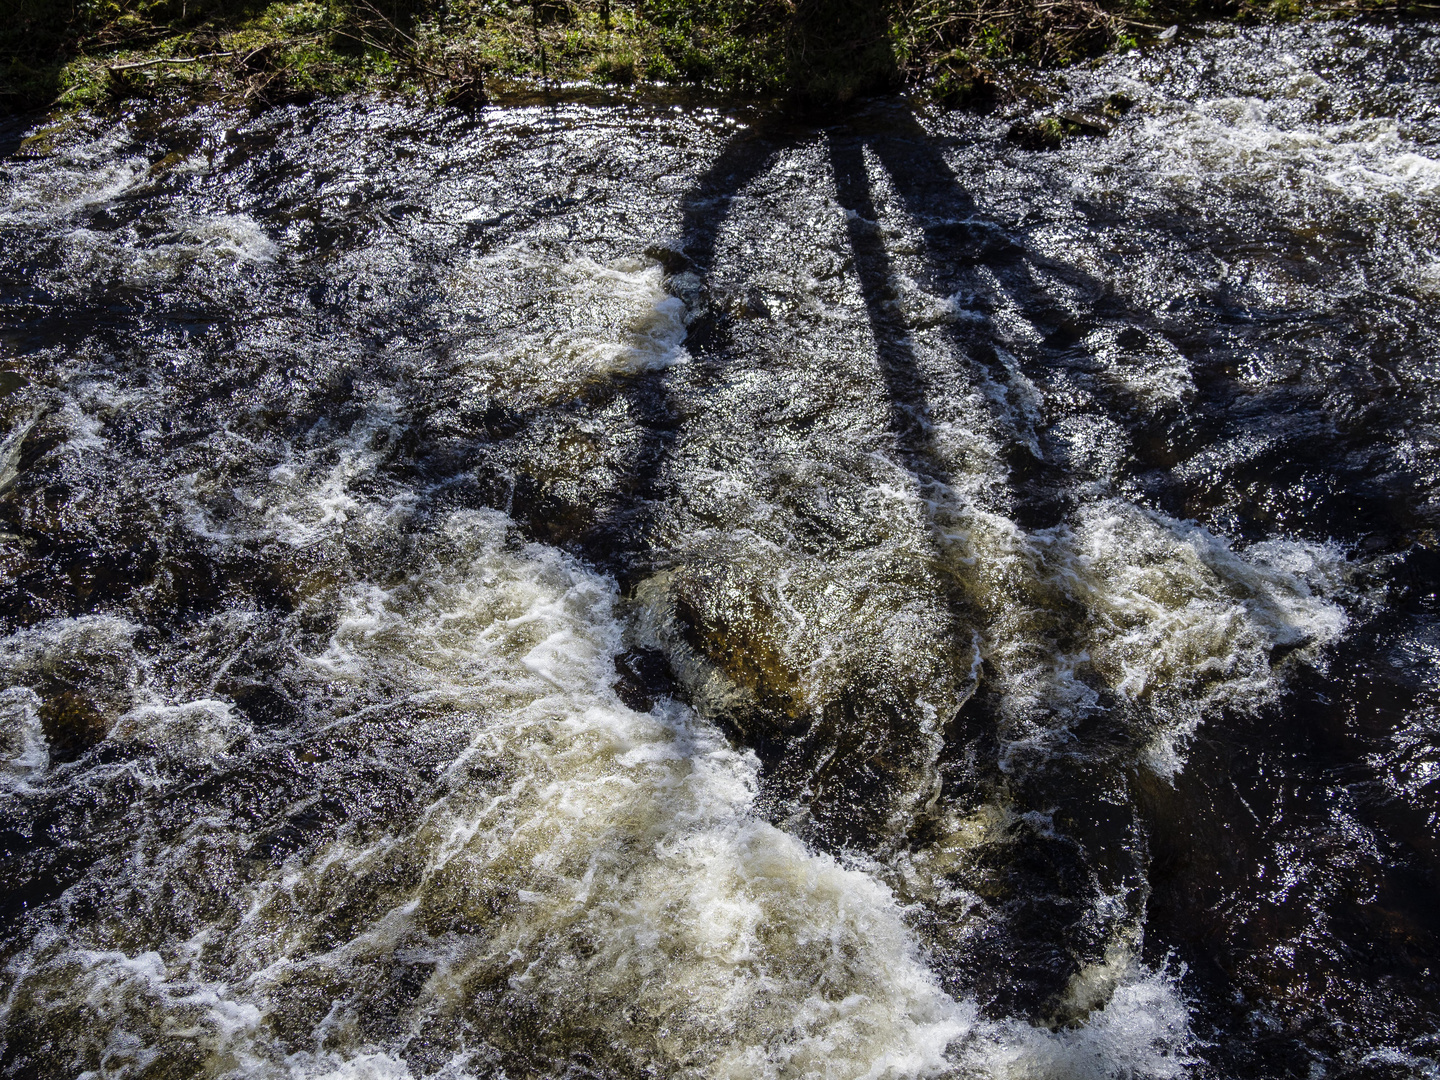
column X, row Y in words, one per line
column 172, row 60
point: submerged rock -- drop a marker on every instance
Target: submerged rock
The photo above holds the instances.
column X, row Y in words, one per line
column 72, row 724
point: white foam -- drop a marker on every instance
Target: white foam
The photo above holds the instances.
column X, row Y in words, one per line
column 10, row 449
column 1155, row 371
column 1172, row 618
column 308, row 496
column 337, row 1067
column 1415, row 1064
column 1244, row 143
column 1428, row 279
column 651, row 905
column 24, row 753
column 1181, row 620
column 579, row 866
column 603, row 320
column 97, row 655
column 1141, row 1033
column 207, row 245
column 201, row 730
column 81, row 174
column 86, row 173
column 220, row 239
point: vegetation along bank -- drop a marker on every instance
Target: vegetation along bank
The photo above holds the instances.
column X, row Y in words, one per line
column 67, row 54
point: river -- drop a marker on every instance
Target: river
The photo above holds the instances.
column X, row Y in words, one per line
column 606, row 591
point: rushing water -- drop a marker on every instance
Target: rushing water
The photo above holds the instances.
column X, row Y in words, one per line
column 631, row 591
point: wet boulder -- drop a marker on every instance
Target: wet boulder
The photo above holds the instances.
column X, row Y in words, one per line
column 1081, row 123
column 962, row 84
column 839, row 677
column 84, row 673
column 1050, row 132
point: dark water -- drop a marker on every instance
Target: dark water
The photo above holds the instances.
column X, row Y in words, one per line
column 648, row 592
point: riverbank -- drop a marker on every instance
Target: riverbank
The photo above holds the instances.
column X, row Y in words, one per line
column 70, row 54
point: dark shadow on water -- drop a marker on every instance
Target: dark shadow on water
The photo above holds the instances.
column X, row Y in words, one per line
column 12, row 134
column 1043, row 883
column 623, row 531
column 1207, row 855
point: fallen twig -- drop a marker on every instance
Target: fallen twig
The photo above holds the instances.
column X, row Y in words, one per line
column 171, row 60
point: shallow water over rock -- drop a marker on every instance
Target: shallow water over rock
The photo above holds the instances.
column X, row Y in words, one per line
column 641, row 591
